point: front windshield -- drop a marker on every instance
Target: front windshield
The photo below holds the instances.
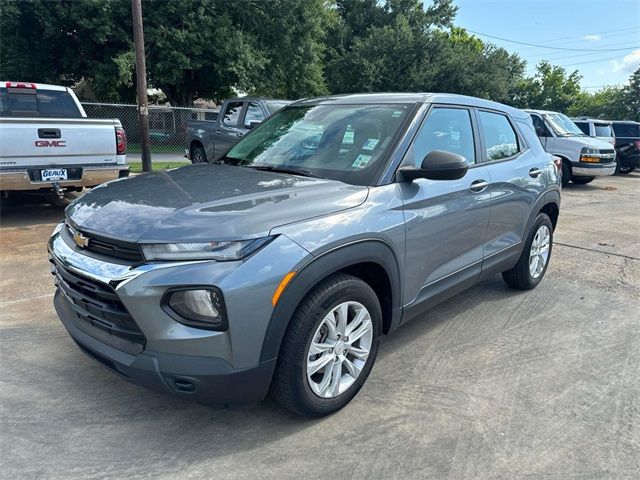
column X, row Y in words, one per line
column 340, row 142
column 562, row 125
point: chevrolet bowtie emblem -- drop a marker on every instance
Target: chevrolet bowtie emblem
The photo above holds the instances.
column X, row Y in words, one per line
column 80, row 240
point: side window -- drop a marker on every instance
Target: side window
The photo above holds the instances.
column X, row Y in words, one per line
column 539, row 126
column 447, row 129
column 254, row 113
column 500, row 139
column 232, row 114
column 583, row 126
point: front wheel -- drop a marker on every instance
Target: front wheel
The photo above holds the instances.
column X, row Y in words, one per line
column 582, row 180
column 329, row 347
column 533, row 262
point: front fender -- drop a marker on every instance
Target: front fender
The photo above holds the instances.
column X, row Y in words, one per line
column 314, row 271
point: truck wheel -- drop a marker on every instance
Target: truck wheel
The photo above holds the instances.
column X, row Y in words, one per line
column 329, row 347
column 566, row 173
column 198, row 155
column 582, row 180
column 535, row 256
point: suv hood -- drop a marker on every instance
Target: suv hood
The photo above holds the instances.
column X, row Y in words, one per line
column 207, row 202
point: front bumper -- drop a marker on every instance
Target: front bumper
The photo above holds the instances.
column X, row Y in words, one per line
column 202, row 379
column 205, row 366
column 582, row 169
column 19, row 179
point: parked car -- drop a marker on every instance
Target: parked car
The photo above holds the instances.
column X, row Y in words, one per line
column 627, row 145
column 280, row 267
column 46, row 141
column 600, row 129
column 583, row 158
column 209, row 140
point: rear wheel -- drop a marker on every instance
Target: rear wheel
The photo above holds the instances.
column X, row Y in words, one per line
column 198, row 155
column 329, row 347
column 535, row 256
column 582, row 180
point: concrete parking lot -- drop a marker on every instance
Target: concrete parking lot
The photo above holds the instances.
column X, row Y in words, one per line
column 493, row 384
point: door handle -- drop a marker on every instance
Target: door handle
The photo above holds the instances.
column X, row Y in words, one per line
column 479, row 185
column 535, row 172
column 238, row 135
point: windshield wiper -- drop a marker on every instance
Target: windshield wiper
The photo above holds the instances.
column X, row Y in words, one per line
column 283, row 169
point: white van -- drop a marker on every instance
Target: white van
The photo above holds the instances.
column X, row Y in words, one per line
column 583, row 158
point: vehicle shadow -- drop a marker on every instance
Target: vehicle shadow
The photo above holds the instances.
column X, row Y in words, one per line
column 24, row 209
column 203, row 433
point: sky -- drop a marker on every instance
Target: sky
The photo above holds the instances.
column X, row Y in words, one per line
column 580, row 27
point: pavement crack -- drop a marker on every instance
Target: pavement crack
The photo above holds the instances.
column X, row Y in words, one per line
column 597, row 251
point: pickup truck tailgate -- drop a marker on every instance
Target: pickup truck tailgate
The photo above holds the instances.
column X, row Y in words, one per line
column 31, row 142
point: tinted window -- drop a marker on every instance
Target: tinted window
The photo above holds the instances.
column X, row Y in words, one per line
column 603, row 130
column 340, row 142
column 583, row 126
column 626, row 130
column 57, row 104
column 500, row 139
column 539, row 126
column 447, row 129
column 18, row 104
column 232, row 114
column 254, row 113
column 44, row 103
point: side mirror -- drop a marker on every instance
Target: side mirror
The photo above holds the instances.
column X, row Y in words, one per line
column 437, row 165
column 253, row 124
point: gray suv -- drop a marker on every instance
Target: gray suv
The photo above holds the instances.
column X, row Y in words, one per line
column 279, row 267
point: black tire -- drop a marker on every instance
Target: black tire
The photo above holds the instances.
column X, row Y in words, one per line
column 520, row 276
column 290, row 386
column 198, row 155
column 566, row 173
column 582, row 180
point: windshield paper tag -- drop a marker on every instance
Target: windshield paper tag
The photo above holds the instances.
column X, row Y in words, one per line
column 361, row 161
column 370, row 144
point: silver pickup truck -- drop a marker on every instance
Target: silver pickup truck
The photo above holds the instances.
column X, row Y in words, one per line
column 47, row 143
column 209, row 139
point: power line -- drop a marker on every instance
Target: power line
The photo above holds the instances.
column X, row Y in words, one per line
column 552, row 48
column 605, row 35
column 561, row 55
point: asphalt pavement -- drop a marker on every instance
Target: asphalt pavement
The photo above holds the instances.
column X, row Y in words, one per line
column 495, row 383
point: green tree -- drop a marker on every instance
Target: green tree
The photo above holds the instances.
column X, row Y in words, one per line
column 550, row 88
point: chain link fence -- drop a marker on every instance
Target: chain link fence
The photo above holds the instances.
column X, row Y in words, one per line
column 166, row 128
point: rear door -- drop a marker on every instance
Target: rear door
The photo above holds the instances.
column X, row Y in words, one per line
column 446, row 220
column 253, row 112
column 228, row 128
column 516, row 175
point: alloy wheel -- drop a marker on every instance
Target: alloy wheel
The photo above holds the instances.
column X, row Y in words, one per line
column 339, row 349
column 539, row 253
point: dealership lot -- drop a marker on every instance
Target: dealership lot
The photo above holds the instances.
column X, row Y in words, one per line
column 493, row 384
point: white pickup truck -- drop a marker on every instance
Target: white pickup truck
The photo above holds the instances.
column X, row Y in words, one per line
column 46, row 141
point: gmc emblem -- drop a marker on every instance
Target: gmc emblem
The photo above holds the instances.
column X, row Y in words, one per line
column 50, row 143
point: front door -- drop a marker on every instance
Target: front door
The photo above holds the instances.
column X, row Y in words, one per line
column 227, row 130
column 446, row 220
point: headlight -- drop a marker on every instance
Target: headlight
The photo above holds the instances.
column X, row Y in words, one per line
column 201, row 308
column 589, row 151
column 220, row 251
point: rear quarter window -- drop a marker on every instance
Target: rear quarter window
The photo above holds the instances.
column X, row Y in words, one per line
column 626, row 130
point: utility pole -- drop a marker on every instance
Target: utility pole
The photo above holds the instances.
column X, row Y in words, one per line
column 141, row 76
